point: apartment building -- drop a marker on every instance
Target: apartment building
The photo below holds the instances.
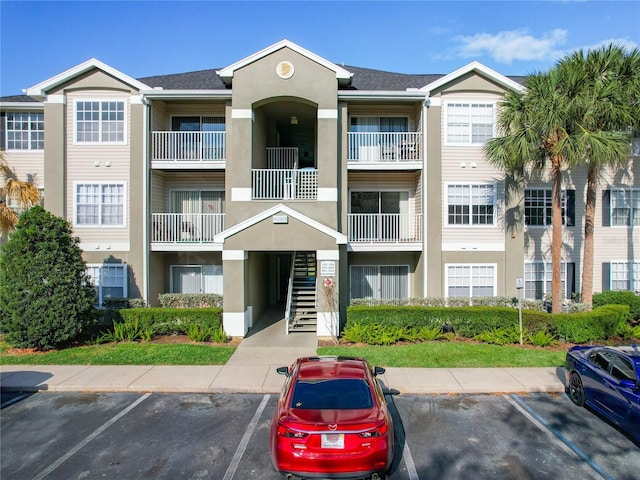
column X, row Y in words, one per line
column 288, row 181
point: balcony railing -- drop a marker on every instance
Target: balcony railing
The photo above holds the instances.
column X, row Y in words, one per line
column 185, row 227
column 380, row 147
column 282, row 157
column 284, row 184
column 385, row 227
column 188, row 146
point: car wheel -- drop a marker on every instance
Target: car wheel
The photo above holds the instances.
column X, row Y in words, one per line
column 576, row 389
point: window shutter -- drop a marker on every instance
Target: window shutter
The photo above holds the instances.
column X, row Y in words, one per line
column 606, row 209
column 3, row 131
column 606, row 277
column 571, row 279
column 571, row 208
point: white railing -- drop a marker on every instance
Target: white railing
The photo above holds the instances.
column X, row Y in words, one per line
column 188, row 146
column 380, row 147
column 185, row 227
column 385, row 227
column 282, row 157
column 287, row 312
column 284, row 184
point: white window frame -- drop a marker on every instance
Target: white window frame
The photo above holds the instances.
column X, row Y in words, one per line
column 101, row 122
column 468, row 104
column 471, row 277
column 99, row 205
column 633, row 195
column 202, row 276
column 628, row 272
column 494, row 204
column 30, row 132
column 547, row 278
column 379, row 266
column 547, row 198
column 94, row 270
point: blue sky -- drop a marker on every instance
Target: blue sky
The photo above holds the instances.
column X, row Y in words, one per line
column 40, row 39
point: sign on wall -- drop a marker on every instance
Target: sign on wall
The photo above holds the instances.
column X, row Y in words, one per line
column 327, row 268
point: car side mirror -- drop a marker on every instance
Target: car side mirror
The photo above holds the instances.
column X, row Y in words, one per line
column 378, row 371
column 283, row 371
column 630, row 384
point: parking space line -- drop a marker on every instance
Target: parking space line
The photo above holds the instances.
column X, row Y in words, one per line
column 88, row 439
column 233, row 466
column 556, row 436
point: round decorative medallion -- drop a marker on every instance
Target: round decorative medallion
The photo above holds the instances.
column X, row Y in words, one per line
column 285, row 70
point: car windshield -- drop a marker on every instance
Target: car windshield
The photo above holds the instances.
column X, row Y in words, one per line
column 341, row 394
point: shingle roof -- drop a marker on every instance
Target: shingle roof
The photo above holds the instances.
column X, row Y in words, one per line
column 365, row 79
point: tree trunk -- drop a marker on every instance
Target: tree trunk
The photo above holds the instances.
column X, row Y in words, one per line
column 589, row 223
column 556, row 235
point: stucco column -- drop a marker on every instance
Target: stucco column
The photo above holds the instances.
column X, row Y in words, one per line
column 54, row 155
column 328, row 293
column 237, row 315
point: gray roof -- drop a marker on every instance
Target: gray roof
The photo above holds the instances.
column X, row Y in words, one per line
column 365, row 79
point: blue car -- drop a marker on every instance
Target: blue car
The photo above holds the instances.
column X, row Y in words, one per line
column 607, row 379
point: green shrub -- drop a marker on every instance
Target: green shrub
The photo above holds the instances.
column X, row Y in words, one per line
column 354, row 332
column 171, row 321
column 541, row 338
column 190, row 300
column 599, row 324
column 46, row 296
column 501, row 336
column 198, row 333
column 636, row 332
column 619, row 297
column 218, row 335
column 625, row 331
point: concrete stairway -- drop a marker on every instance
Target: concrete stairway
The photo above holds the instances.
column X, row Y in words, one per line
column 304, row 316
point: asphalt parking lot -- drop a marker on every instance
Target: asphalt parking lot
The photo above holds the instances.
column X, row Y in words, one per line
column 226, row 436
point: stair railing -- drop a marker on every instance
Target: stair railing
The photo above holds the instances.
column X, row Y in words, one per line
column 287, row 312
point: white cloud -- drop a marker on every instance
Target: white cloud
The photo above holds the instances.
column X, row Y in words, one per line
column 623, row 42
column 505, row 47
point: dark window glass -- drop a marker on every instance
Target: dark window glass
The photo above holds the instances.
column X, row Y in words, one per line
column 340, row 394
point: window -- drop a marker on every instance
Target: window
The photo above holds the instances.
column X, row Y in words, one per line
column 471, row 280
column 206, row 140
column 625, row 276
column 379, row 124
column 622, row 369
column 196, row 279
column 100, row 121
column 469, row 123
column 379, row 281
column 99, row 204
column 625, row 207
column 538, row 211
column 601, row 359
column 470, row 204
column 25, row 131
column 538, row 277
column 109, row 280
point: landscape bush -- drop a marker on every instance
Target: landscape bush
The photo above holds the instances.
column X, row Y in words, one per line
column 174, row 321
column 620, row 297
column 46, row 297
column 190, row 300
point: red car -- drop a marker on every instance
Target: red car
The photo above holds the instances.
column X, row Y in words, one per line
column 331, row 421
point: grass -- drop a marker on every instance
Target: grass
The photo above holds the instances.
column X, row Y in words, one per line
column 425, row 355
column 125, row 353
column 450, row 355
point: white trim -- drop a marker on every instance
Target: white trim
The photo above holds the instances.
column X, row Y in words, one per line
column 98, row 225
column 229, row 71
column 434, row 101
column 445, row 203
column 330, row 113
column 280, row 208
column 473, row 247
column 22, row 106
column 125, row 112
column 41, row 88
column 468, row 102
column 327, row 324
column 57, row 99
column 241, row 194
column 135, row 99
column 478, row 68
column 327, row 194
column 159, row 93
column 242, row 113
column 328, row 254
column 236, row 324
column 471, row 265
column 240, row 255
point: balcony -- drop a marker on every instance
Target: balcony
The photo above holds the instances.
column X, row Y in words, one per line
column 284, row 184
column 188, row 149
column 185, row 228
column 402, row 150
column 385, row 228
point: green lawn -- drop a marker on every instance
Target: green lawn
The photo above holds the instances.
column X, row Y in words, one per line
column 126, row 353
column 450, row 355
column 427, row 355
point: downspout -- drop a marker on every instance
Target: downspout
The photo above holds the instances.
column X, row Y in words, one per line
column 425, row 163
column 145, row 203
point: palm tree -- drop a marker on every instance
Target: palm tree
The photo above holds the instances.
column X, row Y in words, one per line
column 24, row 194
column 535, row 133
column 605, row 88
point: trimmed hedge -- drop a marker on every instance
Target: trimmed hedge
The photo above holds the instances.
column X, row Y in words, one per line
column 599, row 324
column 169, row 321
column 620, row 297
column 190, row 300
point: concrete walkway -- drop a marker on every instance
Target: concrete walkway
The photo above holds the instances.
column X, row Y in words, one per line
column 251, row 369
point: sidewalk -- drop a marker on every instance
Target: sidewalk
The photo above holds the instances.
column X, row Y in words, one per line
column 252, row 369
